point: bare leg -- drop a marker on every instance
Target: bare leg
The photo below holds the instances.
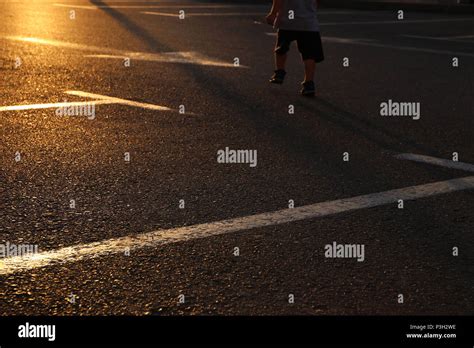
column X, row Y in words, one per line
column 309, row 68
column 280, row 61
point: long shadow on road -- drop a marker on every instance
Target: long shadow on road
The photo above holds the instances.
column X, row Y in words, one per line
column 152, row 43
column 294, row 135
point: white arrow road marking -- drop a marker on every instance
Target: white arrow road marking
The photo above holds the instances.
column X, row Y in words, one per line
column 181, row 234
column 119, row 100
column 100, row 99
column 437, row 161
column 53, row 105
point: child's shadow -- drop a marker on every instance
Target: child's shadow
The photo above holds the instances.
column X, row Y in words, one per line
column 360, row 126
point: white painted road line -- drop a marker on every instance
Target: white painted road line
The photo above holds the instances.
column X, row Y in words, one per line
column 346, row 40
column 163, row 6
column 400, row 22
column 170, row 57
column 161, row 14
column 451, row 39
column 83, row 7
column 436, row 161
column 406, row 48
column 119, row 101
column 104, row 52
column 335, row 39
column 187, row 233
column 223, row 14
column 64, row 44
column 355, row 12
column 458, row 37
column 205, row 14
column 210, row 6
column 53, row 105
column 371, row 43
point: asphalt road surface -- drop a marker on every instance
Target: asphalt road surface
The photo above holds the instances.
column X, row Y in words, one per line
column 137, row 191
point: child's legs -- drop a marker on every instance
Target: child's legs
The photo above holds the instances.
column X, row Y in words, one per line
column 310, row 47
column 280, row 60
column 309, row 68
column 281, row 49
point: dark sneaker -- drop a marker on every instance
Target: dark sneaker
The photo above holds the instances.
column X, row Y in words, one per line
column 308, row 89
column 278, row 76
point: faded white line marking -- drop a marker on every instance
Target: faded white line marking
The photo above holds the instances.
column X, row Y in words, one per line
column 202, row 14
column 333, row 39
column 345, row 40
column 436, row 161
column 357, row 12
column 452, row 39
column 414, row 49
column 103, row 52
column 169, row 57
column 182, row 234
column 413, row 21
column 161, row 14
column 370, row 43
column 83, row 7
column 458, row 37
column 63, row 44
column 183, row 6
column 336, row 39
column 190, row 6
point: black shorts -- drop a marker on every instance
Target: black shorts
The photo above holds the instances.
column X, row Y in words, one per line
column 309, row 43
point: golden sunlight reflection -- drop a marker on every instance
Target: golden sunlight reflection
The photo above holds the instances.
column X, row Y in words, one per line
column 37, row 19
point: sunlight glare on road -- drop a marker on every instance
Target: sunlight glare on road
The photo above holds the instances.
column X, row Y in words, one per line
column 36, row 19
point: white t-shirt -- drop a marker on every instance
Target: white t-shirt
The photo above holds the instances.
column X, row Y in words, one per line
column 298, row 15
